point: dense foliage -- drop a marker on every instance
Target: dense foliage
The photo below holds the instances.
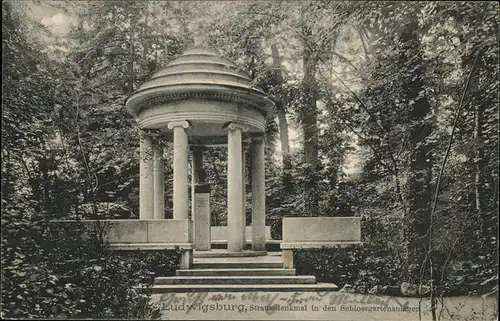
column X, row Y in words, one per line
column 384, row 110
column 48, row 272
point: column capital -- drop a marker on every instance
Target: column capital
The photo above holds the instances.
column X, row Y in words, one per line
column 233, row 126
column 180, row 123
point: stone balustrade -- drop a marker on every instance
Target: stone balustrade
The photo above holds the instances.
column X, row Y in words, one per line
column 147, row 234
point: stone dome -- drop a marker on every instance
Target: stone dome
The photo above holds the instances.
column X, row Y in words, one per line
column 201, row 87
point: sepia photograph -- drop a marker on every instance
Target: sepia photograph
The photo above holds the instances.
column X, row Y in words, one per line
column 250, row 160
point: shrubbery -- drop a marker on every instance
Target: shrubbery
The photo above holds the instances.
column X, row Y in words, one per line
column 48, row 273
column 377, row 262
column 359, row 266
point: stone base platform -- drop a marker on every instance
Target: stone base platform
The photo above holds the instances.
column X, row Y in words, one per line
column 222, row 271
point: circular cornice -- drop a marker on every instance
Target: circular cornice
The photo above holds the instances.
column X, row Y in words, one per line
column 163, row 95
column 200, row 116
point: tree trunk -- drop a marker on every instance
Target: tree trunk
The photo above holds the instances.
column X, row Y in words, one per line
column 145, row 44
column 418, row 220
column 310, row 129
column 130, row 71
column 44, row 164
column 7, row 185
column 479, row 163
column 284, row 137
column 280, row 109
column 130, row 62
column 482, row 195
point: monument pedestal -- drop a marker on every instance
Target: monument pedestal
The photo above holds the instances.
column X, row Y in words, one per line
column 202, row 240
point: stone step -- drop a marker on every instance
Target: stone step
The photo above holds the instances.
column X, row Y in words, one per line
column 235, row 272
column 318, row 287
column 271, row 245
column 226, row 254
column 237, row 265
column 237, row 280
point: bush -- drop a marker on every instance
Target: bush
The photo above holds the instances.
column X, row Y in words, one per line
column 375, row 262
column 67, row 274
column 361, row 266
column 105, row 210
column 333, row 265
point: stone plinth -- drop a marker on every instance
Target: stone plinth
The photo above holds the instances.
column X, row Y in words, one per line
column 321, row 229
column 202, row 220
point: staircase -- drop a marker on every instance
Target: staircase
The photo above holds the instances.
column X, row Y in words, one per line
column 219, row 272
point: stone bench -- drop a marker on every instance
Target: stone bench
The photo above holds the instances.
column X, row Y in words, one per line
column 151, row 234
column 318, row 232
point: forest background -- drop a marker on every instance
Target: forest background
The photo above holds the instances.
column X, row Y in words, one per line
column 384, row 110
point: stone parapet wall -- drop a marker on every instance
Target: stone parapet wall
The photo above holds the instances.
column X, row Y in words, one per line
column 139, row 231
column 315, row 231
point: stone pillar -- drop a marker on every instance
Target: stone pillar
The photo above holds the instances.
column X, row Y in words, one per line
column 159, row 186
column 287, row 259
column 258, row 194
column 244, row 193
column 181, row 205
column 200, row 203
column 186, row 259
column 146, row 189
column 235, row 223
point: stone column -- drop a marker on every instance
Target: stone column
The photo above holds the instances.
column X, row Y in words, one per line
column 159, row 186
column 235, row 222
column 258, row 194
column 181, row 205
column 244, row 193
column 146, row 203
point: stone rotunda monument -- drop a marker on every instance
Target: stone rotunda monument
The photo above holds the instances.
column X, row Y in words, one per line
column 201, row 99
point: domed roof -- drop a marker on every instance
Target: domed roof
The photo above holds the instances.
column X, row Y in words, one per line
column 199, row 73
